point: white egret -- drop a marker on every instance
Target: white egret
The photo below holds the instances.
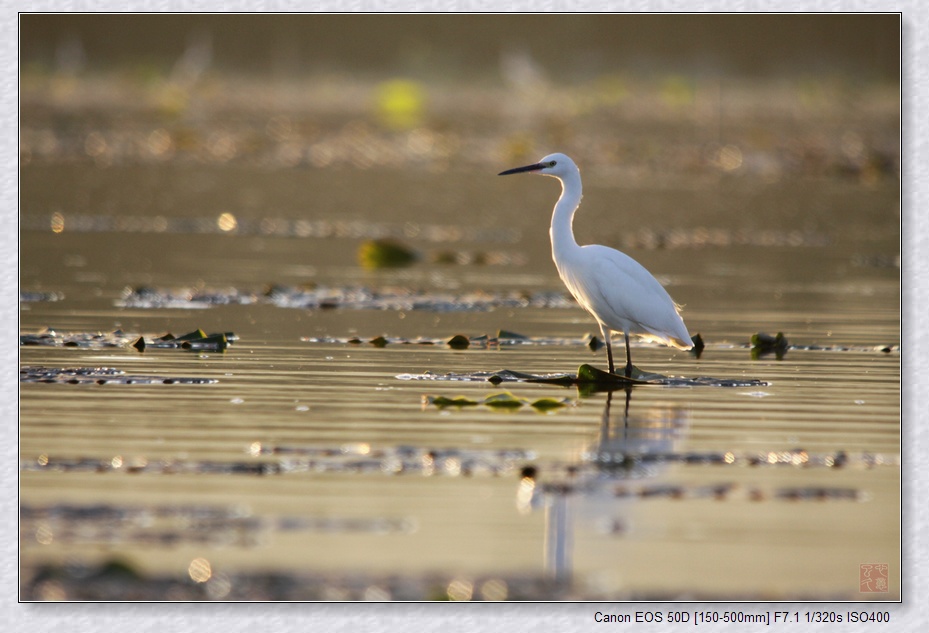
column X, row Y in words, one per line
column 614, row 288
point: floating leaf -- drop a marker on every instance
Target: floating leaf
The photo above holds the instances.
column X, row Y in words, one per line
column 442, row 401
column 190, row 336
column 504, row 400
column 547, row 404
column 373, row 254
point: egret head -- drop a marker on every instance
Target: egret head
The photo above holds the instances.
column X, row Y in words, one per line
column 557, row 165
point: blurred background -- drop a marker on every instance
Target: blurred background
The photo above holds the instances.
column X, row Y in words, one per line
column 571, row 48
column 279, row 88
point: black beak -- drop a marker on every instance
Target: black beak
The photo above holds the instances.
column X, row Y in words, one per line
column 519, row 170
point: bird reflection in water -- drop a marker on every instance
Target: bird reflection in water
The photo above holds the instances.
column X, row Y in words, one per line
column 628, row 447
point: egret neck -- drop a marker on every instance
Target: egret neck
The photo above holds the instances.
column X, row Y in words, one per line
column 561, row 231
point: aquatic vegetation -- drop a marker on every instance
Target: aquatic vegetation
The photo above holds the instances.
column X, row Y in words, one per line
column 197, row 340
column 505, row 400
column 385, row 253
column 588, row 378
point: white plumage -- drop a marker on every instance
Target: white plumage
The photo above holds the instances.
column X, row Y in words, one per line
column 614, row 288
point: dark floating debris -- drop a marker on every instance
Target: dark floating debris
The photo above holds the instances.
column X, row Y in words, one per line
column 586, row 375
column 361, row 458
column 187, row 298
column 595, row 461
column 197, row 340
column 114, row 580
column 265, row 459
column 505, row 338
column 728, row 491
column 26, row 296
column 494, row 377
column 385, row 253
column 344, row 297
column 173, row 525
column 100, row 376
column 95, row 340
column 378, row 341
column 626, row 474
column 763, row 344
column 699, row 345
column 459, row 342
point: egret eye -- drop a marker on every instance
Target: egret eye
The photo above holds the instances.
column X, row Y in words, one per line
column 552, row 163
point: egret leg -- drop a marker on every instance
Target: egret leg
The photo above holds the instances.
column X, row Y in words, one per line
column 628, row 357
column 607, row 335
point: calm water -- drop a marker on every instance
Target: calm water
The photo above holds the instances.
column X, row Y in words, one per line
column 308, row 469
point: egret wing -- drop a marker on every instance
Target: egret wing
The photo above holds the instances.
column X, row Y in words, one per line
column 622, row 294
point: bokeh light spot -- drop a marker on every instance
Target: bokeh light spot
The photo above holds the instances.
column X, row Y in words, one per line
column 200, row 570
column 227, row 222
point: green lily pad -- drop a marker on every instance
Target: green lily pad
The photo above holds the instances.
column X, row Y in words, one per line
column 548, row 404
column 374, row 254
column 442, row 401
column 504, row 400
